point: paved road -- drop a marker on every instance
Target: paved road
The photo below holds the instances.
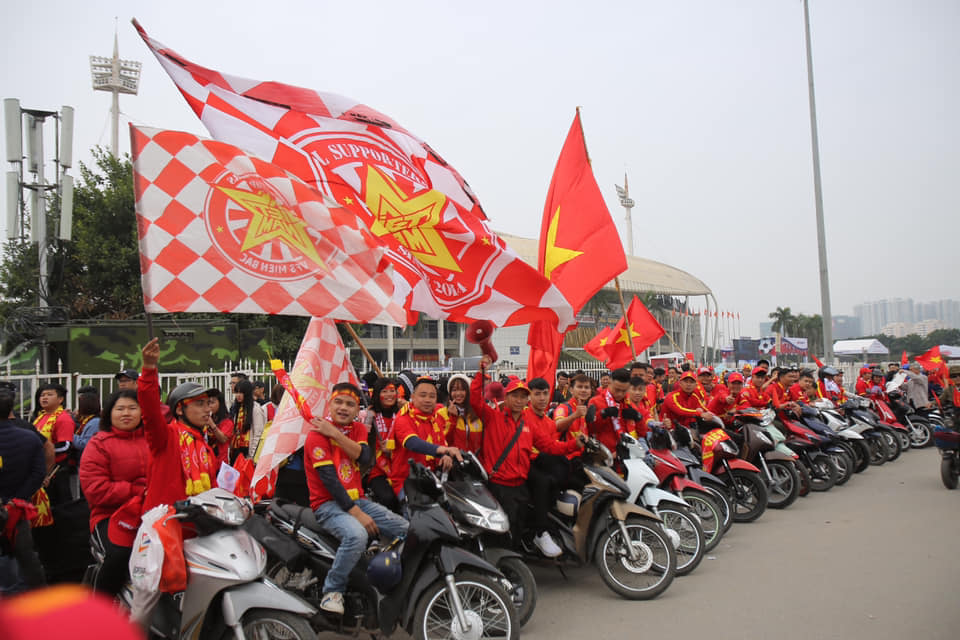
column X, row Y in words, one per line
column 877, row 558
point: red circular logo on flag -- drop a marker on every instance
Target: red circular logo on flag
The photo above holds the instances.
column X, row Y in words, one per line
column 257, row 230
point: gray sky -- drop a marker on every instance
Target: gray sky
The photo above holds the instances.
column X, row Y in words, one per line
column 703, row 103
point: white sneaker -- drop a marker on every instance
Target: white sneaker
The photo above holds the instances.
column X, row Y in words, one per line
column 544, row 542
column 332, row 602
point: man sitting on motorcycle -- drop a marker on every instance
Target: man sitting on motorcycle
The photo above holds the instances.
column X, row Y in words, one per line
column 863, row 382
column 707, row 387
column 877, row 385
column 508, row 444
column 570, row 416
column 334, row 450
column 777, row 393
column 753, row 393
column 805, row 389
column 614, row 415
column 683, row 406
column 727, row 405
column 828, row 386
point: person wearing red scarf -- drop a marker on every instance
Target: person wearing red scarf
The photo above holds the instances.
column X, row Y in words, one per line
column 419, row 433
column 571, row 416
column 182, row 464
column 614, row 415
column 57, row 425
column 684, row 406
column 379, row 420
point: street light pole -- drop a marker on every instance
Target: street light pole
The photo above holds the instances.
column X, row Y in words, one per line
column 825, row 313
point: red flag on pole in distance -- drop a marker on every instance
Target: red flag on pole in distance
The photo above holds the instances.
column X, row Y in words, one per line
column 903, row 359
column 597, row 346
column 642, row 329
column 579, row 251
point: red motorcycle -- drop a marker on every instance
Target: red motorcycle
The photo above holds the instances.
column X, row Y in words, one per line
column 720, row 456
column 886, row 416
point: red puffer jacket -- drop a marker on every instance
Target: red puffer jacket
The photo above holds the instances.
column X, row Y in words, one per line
column 113, row 469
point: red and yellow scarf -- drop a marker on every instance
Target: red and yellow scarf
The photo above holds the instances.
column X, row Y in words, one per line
column 196, row 459
column 241, row 436
column 45, row 421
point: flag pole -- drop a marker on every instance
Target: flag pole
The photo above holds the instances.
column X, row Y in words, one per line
column 626, row 321
column 356, row 338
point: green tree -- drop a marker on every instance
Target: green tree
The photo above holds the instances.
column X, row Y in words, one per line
column 783, row 321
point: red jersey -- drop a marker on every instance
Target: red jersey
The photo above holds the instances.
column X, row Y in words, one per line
column 796, row 393
column 56, row 427
column 319, row 451
column 777, row 395
column 754, row 397
column 576, row 428
column 682, row 408
column 608, row 430
column 409, row 423
column 720, row 405
column 499, row 428
column 463, row 432
column 862, row 386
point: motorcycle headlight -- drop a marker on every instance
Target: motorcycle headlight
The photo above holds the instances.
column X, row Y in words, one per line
column 494, row 520
column 224, row 506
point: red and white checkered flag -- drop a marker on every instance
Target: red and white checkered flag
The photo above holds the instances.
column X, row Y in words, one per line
column 221, row 230
column 447, row 261
column 321, row 363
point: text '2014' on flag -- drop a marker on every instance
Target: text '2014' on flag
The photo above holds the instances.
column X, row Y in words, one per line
column 447, row 262
column 580, row 249
column 221, row 230
column 321, row 363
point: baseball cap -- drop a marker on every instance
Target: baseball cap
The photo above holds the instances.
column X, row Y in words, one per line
column 704, row 371
column 516, row 384
column 127, row 373
column 687, row 374
column 759, row 369
column 735, row 377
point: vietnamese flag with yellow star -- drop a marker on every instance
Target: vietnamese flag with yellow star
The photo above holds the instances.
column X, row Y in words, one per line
column 597, row 345
column 447, row 262
column 580, row 249
column 221, row 230
column 933, row 361
column 640, row 327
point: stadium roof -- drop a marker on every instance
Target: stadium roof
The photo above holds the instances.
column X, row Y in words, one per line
column 642, row 275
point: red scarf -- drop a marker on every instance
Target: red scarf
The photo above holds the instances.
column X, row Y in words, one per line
column 83, row 423
column 241, row 435
column 196, row 459
column 617, row 427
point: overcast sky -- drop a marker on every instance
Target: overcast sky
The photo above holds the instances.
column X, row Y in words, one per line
column 703, row 103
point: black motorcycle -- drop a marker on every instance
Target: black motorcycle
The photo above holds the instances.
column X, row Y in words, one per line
column 443, row 590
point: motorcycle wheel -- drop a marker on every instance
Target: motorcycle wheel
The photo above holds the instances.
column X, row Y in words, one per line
column 823, row 473
column 904, row 438
column 711, row 519
column 861, row 455
column 721, row 497
column 950, row 470
column 486, row 605
column 893, row 444
column 785, row 486
column 270, row 623
column 691, row 545
column 523, row 589
column 749, row 493
column 921, row 435
column 844, row 467
column 804, row 474
column 879, row 451
column 650, row 574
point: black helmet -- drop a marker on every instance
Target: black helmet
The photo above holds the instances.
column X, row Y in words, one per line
column 828, row 371
column 183, row 392
column 384, row 571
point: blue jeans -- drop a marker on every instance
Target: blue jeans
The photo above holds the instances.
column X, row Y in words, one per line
column 353, row 537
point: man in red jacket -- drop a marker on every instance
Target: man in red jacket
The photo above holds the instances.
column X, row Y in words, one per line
column 753, row 393
column 727, row 405
column 508, row 443
column 684, row 406
column 614, row 415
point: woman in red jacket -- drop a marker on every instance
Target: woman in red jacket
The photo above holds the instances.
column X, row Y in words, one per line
column 113, row 471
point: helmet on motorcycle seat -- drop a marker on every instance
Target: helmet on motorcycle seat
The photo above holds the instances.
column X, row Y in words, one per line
column 183, row 392
column 384, row 570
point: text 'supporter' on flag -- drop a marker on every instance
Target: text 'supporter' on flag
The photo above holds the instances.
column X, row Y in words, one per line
column 447, row 262
column 221, row 230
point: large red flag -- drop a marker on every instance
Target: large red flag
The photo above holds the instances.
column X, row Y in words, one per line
column 580, row 249
column 221, row 230
column 642, row 330
column 447, row 262
column 597, row 346
column 933, row 361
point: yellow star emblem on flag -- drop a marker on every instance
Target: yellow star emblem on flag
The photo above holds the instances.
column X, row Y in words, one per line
column 554, row 256
column 625, row 338
column 272, row 221
column 411, row 220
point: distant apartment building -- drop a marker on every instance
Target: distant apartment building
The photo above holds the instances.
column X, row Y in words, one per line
column 846, row 327
column 902, row 314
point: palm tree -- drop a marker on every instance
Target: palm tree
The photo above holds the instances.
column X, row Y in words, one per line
column 783, row 321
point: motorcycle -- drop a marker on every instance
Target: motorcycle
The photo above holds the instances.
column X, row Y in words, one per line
column 834, row 443
column 760, row 449
column 808, row 445
column 227, row 592
column 861, row 409
column 855, row 436
column 720, row 455
column 484, row 526
column 948, row 442
column 438, row 589
column 628, row 544
column 679, row 519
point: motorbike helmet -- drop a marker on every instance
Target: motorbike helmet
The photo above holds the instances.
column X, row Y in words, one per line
column 384, row 570
column 828, row 371
column 183, row 392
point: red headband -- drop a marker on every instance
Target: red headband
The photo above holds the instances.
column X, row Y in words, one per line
column 344, row 392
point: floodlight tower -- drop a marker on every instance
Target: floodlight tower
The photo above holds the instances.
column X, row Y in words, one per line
column 627, row 203
column 116, row 76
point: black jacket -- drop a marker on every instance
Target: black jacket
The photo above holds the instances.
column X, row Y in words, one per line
column 22, row 464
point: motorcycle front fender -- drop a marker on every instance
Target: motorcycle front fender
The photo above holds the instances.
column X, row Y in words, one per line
column 652, row 496
column 261, row 594
column 618, row 510
column 737, row 463
column 779, row 455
